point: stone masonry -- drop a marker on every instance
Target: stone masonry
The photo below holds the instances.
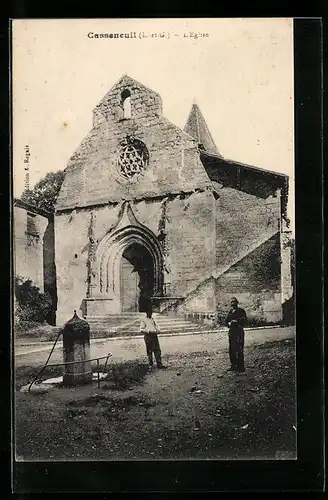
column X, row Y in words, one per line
column 34, row 249
column 29, row 229
column 140, row 180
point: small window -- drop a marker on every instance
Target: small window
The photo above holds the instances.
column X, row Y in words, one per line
column 126, row 102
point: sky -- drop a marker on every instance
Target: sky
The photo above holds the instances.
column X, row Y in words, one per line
column 240, row 74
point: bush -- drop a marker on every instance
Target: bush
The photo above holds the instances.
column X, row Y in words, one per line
column 32, row 306
column 288, row 308
column 255, row 322
column 251, row 321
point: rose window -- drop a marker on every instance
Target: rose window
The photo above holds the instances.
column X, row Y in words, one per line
column 133, row 158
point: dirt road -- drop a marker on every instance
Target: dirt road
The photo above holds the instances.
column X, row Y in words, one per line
column 194, row 409
column 132, row 348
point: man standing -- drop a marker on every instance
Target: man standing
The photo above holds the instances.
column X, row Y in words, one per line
column 149, row 329
column 235, row 321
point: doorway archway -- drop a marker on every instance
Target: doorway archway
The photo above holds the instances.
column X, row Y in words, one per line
column 130, row 261
column 136, row 277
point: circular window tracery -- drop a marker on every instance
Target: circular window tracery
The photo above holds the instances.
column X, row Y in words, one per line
column 133, row 157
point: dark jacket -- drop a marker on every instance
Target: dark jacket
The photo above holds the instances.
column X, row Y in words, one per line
column 145, row 303
column 239, row 315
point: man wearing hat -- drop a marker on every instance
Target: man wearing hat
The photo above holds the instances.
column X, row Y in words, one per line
column 235, row 321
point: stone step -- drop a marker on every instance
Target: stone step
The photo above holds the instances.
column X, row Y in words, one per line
column 176, row 324
column 135, row 315
column 129, row 323
column 163, row 323
column 128, row 317
column 159, row 321
column 136, row 328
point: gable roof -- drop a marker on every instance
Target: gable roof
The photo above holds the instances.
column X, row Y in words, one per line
column 248, row 178
column 32, row 208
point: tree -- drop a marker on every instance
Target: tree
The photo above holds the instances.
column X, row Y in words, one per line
column 45, row 192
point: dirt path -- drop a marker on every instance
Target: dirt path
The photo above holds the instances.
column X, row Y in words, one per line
column 194, row 409
column 128, row 349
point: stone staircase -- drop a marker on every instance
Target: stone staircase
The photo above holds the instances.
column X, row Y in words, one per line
column 127, row 324
column 248, row 247
column 243, row 209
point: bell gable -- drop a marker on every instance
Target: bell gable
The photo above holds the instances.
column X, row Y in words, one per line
column 132, row 152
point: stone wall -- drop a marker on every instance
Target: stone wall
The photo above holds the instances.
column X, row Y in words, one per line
column 248, row 254
column 189, row 228
column 72, row 241
column 204, row 237
column 201, row 300
column 244, row 231
column 191, row 241
column 190, row 237
column 49, row 269
column 243, row 222
column 256, row 281
column 29, row 229
column 93, row 177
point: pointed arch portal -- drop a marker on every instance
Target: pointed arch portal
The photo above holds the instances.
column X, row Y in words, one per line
column 130, row 264
column 136, row 277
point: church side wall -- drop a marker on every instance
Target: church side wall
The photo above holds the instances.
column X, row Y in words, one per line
column 248, row 234
column 243, row 223
column 247, row 259
column 255, row 281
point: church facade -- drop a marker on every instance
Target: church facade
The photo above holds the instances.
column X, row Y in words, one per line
column 148, row 209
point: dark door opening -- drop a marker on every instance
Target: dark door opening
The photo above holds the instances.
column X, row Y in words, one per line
column 137, row 277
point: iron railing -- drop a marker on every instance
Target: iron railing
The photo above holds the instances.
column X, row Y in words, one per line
column 40, row 372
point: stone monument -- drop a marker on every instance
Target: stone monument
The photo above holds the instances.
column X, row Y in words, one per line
column 76, row 352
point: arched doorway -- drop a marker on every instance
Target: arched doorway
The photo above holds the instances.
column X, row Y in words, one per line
column 129, row 266
column 136, row 277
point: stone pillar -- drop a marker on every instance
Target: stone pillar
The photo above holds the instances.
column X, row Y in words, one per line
column 76, row 347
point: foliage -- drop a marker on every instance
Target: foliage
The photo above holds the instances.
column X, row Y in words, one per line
column 45, row 192
column 253, row 322
column 32, row 306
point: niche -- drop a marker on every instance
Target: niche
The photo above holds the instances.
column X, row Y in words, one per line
column 126, row 104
